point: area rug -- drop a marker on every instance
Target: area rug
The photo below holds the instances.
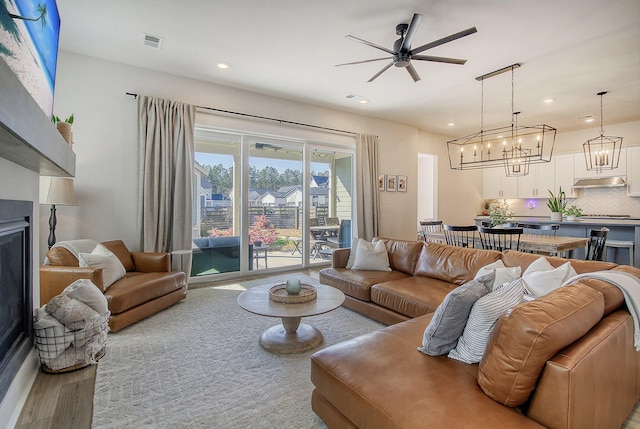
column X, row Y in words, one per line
column 198, row 364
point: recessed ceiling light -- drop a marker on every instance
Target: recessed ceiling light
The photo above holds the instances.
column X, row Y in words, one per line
column 549, row 100
column 363, row 101
column 222, row 65
column 451, row 124
column 589, row 119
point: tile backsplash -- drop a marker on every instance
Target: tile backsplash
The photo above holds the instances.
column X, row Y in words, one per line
column 607, row 201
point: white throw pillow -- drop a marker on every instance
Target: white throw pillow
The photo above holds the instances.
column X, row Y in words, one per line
column 101, row 257
column 352, row 254
column 540, row 277
column 86, row 292
column 372, row 258
column 503, row 274
column 483, row 318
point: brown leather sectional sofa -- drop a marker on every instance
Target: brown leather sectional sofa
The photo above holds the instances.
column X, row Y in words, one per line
column 565, row 360
column 148, row 286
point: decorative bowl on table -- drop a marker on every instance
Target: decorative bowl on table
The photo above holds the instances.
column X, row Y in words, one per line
column 278, row 293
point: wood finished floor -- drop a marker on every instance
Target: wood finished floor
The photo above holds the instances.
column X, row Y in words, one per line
column 66, row 400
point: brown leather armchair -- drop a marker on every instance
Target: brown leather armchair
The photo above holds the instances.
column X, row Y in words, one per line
column 148, row 286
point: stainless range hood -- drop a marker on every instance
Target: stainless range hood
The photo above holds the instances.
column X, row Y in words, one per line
column 600, row 182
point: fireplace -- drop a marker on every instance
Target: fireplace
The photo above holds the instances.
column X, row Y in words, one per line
column 16, row 297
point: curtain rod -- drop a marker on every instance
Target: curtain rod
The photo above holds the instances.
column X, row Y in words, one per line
column 281, row 121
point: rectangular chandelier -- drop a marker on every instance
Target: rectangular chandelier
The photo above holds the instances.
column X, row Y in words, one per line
column 512, row 147
column 496, row 148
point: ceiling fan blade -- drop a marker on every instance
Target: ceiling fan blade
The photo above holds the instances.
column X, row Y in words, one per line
column 412, row 71
column 444, row 40
column 384, row 69
column 438, row 59
column 373, row 45
column 413, row 27
column 365, row 61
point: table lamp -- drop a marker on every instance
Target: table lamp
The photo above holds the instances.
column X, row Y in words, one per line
column 60, row 192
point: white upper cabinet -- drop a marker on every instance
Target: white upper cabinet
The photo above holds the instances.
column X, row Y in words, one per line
column 565, row 178
column 498, row 185
column 581, row 172
column 539, row 180
column 633, row 171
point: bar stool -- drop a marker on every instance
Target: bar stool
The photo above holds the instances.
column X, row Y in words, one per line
column 620, row 244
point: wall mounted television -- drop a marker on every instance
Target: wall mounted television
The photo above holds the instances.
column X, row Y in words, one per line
column 29, row 34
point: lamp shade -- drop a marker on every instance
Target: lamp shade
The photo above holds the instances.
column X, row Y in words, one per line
column 60, row 192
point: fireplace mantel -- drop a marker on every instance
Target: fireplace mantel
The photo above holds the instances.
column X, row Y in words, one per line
column 27, row 136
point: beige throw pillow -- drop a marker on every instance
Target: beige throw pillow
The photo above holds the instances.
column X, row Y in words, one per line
column 101, row 257
column 372, row 258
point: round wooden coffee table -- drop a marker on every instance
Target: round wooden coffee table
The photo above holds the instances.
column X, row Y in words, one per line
column 291, row 336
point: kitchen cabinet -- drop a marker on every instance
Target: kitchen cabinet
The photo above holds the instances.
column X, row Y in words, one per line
column 564, row 175
column 498, row 185
column 538, row 182
column 633, row 174
column 581, row 172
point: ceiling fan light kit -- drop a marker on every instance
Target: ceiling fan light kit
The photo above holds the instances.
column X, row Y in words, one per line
column 602, row 152
column 512, row 147
column 402, row 53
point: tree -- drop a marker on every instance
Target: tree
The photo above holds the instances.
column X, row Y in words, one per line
column 42, row 8
column 221, row 179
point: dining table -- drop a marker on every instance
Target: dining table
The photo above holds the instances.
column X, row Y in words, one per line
column 325, row 230
column 546, row 244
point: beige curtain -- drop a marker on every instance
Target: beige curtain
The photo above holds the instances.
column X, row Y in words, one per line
column 367, row 186
column 166, row 151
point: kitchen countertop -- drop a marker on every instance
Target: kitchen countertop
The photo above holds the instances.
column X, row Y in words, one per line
column 631, row 222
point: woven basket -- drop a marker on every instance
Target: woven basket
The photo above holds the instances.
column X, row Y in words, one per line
column 279, row 294
column 64, row 128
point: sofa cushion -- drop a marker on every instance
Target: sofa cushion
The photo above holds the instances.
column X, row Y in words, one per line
column 452, row 264
column 118, row 248
column 137, row 288
column 357, row 284
column 403, row 255
column 482, row 320
column 60, row 256
column 510, row 369
column 371, row 257
column 411, row 296
column 540, row 277
column 450, row 318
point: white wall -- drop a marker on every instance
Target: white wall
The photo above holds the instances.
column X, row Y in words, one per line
column 18, row 183
column 105, row 136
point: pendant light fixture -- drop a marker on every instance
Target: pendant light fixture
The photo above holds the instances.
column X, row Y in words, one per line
column 602, row 152
column 512, row 147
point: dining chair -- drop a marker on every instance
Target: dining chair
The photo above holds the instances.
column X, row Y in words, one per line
column 539, row 229
column 331, row 221
column 427, row 226
column 595, row 246
column 460, row 235
column 500, row 238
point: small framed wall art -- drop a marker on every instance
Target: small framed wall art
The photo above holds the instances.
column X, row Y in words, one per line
column 381, row 182
column 402, row 183
column 391, row 183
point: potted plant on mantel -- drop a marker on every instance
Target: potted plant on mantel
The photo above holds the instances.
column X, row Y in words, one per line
column 64, row 127
column 557, row 204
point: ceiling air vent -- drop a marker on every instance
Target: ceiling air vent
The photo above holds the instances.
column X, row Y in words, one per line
column 152, row 41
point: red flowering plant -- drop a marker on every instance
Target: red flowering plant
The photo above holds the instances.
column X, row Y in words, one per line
column 262, row 232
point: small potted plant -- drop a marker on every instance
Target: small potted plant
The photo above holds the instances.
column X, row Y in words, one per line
column 64, row 127
column 557, row 204
column 573, row 213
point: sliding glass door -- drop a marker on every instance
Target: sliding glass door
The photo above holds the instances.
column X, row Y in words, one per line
column 267, row 204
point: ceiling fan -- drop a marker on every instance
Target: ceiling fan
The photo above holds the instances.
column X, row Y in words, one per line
column 402, row 54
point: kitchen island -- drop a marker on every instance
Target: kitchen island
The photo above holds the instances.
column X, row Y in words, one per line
column 625, row 229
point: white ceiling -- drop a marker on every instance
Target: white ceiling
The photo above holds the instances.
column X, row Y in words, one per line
column 569, row 50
